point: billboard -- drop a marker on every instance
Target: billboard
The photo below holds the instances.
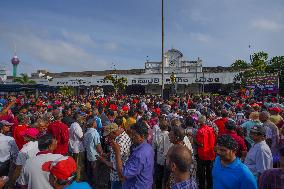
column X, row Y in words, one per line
column 263, row 83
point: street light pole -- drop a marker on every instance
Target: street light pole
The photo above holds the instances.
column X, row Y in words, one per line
column 163, row 85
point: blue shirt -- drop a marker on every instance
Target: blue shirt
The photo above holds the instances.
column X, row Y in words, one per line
column 139, row 168
column 99, row 122
column 76, row 185
column 91, row 140
column 233, row 176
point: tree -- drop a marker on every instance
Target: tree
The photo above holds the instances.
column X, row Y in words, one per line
column 24, row 79
column 119, row 83
column 66, row 91
column 240, row 64
column 259, row 61
column 276, row 66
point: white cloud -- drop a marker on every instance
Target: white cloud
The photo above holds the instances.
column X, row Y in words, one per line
column 201, row 37
column 198, row 16
column 54, row 54
column 78, row 38
column 111, row 46
column 268, row 25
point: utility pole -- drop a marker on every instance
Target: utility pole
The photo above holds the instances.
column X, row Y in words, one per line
column 203, row 81
column 163, row 85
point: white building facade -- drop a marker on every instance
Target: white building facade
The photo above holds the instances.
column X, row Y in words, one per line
column 191, row 76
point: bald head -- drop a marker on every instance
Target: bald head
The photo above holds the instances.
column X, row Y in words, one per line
column 181, row 156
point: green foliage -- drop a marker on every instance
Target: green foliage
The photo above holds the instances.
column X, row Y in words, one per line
column 276, row 65
column 119, row 83
column 24, row 79
column 66, row 91
column 240, row 64
column 259, row 61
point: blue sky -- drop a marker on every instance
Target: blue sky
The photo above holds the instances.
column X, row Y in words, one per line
column 78, row 35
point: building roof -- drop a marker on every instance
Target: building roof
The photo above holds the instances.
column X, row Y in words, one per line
column 217, row 69
column 91, row 73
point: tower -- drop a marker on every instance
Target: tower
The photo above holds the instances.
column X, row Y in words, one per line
column 15, row 61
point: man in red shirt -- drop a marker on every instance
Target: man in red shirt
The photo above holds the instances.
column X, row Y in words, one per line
column 19, row 129
column 231, row 130
column 205, row 139
column 220, row 122
column 60, row 132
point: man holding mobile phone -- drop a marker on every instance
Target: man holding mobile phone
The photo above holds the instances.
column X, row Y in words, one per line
column 115, row 134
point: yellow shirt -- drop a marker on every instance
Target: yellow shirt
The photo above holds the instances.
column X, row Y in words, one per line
column 275, row 119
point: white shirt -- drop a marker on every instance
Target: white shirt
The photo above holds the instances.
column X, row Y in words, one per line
column 161, row 142
column 8, row 148
column 28, row 151
column 32, row 173
column 259, row 158
column 187, row 143
column 76, row 138
column 268, row 132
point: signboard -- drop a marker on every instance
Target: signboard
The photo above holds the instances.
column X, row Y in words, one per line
column 144, row 79
column 264, row 83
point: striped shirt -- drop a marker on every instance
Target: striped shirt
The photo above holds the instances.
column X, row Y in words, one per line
column 272, row 178
column 188, row 184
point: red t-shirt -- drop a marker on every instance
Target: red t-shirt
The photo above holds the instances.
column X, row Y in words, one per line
column 220, row 123
column 113, row 107
column 60, row 132
column 157, row 111
column 241, row 142
column 189, row 103
column 18, row 135
column 125, row 108
column 205, row 135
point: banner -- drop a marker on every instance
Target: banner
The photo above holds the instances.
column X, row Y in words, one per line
column 263, row 83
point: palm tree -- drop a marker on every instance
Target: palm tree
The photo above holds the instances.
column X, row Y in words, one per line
column 24, row 79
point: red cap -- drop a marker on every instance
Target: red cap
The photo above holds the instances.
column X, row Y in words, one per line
column 30, row 132
column 255, row 105
column 62, row 168
column 275, row 109
column 125, row 108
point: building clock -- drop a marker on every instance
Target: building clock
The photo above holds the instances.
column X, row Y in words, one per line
column 173, row 57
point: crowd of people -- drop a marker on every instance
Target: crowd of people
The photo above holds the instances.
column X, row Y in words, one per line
column 141, row 142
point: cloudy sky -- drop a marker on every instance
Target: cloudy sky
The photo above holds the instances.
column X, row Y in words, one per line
column 78, row 35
